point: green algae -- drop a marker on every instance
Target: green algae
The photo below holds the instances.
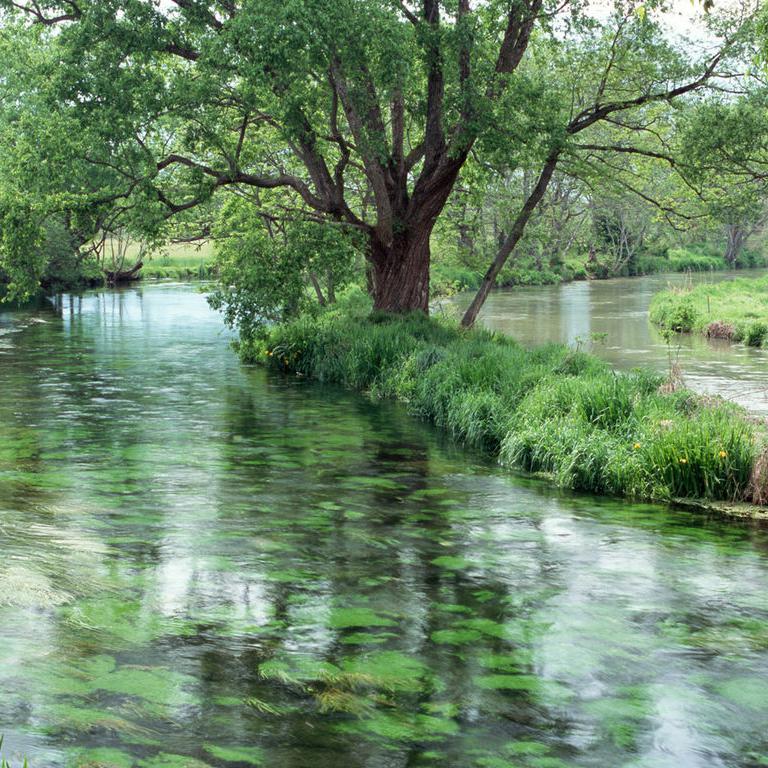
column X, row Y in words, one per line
column 233, row 584
column 244, row 755
column 346, row 618
column 169, row 760
column 100, row 757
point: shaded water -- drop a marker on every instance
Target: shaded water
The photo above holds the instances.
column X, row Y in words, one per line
column 619, row 309
column 205, row 564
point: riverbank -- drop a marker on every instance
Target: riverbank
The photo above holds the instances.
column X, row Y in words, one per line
column 548, row 409
column 736, row 310
column 178, row 261
column 448, row 279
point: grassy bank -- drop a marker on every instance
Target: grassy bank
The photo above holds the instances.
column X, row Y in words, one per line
column 736, row 310
column 449, row 278
column 548, row 409
column 178, row 261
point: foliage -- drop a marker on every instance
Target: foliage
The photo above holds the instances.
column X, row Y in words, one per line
column 547, row 409
column 263, row 275
column 675, row 311
column 377, row 116
column 449, row 278
column 733, row 309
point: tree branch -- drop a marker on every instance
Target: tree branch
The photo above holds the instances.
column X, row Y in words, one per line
column 599, row 112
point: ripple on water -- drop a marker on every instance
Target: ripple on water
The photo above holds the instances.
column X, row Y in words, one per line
column 207, row 565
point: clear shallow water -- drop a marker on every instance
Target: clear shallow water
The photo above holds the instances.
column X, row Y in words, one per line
column 619, row 308
column 205, row 564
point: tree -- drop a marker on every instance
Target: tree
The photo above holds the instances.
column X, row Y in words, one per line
column 266, row 263
column 364, row 111
column 620, row 75
column 724, row 155
column 311, row 95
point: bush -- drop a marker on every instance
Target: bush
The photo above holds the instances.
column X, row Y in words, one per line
column 575, row 270
column 674, row 311
column 754, row 334
column 449, row 279
column 719, row 330
column 750, row 259
column 511, row 276
column 690, row 260
column 547, row 409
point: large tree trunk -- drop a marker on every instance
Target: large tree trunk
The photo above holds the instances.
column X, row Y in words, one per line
column 401, row 272
column 736, row 237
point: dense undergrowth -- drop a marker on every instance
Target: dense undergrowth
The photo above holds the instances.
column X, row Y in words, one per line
column 449, row 277
column 548, row 409
column 736, row 310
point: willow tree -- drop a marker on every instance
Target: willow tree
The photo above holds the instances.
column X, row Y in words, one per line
column 320, row 96
column 364, row 111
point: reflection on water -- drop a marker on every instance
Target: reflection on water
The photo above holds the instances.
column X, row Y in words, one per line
column 619, row 308
column 208, row 565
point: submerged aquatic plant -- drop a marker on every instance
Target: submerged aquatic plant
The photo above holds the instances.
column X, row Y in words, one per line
column 358, row 687
column 5, row 763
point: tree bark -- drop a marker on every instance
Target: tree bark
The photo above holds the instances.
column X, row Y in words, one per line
column 515, row 234
column 735, row 242
column 318, row 290
column 401, row 273
column 119, row 275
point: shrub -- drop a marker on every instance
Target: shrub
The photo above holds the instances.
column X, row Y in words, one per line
column 575, row 270
column 689, row 260
column 448, row 279
column 755, row 333
column 720, row 330
column 677, row 313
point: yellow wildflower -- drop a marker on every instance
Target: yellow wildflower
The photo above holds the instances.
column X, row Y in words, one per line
column 637, row 446
column 683, row 461
column 722, row 454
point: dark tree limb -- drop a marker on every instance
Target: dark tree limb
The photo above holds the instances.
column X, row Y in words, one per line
column 512, row 239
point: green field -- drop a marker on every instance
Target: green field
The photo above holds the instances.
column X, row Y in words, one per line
column 181, row 261
column 736, row 310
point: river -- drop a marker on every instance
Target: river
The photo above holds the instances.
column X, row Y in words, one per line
column 617, row 312
column 206, row 564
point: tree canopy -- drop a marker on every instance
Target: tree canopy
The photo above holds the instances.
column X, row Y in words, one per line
column 359, row 115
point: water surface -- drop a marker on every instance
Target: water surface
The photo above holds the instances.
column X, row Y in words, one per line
column 618, row 309
column 209, row 565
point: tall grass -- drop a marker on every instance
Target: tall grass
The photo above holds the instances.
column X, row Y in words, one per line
column 182, row 261
column 548, row 409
